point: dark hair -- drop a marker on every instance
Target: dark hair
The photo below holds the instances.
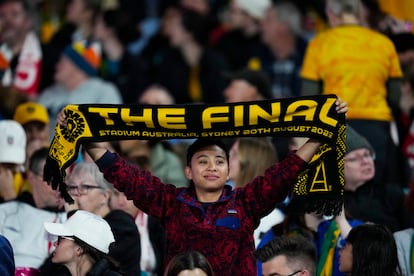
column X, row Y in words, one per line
column 202, row 143
column 92, row 4
column 27, row 7
column 96, row 255
column 188, row 260
column 95, row 6
column 124, row 27
column 36, row 159
column 375, row 13
column 403, row 42
column 374, row 251
column 196, row 24
column 300, row 253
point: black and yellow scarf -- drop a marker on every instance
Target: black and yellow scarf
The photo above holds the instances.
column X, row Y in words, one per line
column 319, row 188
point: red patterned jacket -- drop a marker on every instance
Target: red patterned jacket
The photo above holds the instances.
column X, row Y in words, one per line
column 224, row 231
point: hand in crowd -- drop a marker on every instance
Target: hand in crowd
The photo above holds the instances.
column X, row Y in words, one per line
column 61, row 118
column 6, row 182
column 341, row 107
column 95, row 150
column 343, row 223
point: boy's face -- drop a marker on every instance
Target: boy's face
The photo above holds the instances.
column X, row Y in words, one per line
column 209, row 169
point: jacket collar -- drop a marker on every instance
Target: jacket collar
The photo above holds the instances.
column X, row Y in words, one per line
column 188, row 195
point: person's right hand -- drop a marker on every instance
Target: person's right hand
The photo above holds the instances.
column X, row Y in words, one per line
column 61, row 118
column 94, row 150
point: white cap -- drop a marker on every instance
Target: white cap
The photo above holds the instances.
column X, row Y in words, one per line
column 12, row 142
column 87, row 227
column 254, row 8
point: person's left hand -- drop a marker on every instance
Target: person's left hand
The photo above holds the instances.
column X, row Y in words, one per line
column 7, row 182
column 341, row 107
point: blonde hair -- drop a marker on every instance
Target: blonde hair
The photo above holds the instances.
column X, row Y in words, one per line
column 256, row 154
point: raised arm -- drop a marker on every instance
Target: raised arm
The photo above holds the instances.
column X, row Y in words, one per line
column 96, row 150
column 343, row 223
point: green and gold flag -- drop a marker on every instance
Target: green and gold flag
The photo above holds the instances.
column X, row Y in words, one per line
column 318, row 189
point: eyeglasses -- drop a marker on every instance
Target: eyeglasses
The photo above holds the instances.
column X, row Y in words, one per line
column 293, row 273
column 64, row 237
column 360, row 158
column 81, row 189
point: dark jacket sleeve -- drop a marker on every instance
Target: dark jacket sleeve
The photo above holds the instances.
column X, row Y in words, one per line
column 261, row 195
column 127, row 246
column 148, row 192
column 158, row 240
column 394, row 90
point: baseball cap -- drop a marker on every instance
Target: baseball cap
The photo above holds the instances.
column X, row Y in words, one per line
column 87, row 227
column 258, row 79
column 12, row 142
column 256, row 8
column 30, row 112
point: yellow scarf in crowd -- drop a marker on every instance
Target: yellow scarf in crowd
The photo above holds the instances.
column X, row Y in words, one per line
column 319, row 188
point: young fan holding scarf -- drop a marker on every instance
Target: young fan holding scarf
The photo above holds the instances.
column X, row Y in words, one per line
column 208, row 216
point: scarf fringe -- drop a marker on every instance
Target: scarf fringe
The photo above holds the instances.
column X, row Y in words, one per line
column 315, row 204
column 55, row 177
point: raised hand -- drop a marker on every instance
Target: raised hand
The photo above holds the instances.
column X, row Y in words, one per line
column 341, row 107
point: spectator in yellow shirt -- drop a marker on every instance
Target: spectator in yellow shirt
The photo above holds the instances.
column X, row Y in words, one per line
column 361, row 67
